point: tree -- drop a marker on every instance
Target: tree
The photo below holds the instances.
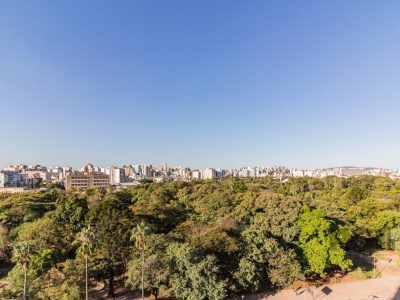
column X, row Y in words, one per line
column 111, row 219
column 17, row 209
column 283, row 266
column 207, row 238
column 63, row 282
column 139, row 236
column 85, row 238
column 196, row 275
column 46, row 233
column 265, row 259
column 322, row 242
column 22, row 255
column 278, row 216
column 40, row 262
column 5, row 246
column 71, row 210
column 155, row 266
column 159, row 207
column 213, row 205
column 355, row 194
column 371, row 218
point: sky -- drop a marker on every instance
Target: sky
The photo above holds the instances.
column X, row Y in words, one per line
column 200, row 83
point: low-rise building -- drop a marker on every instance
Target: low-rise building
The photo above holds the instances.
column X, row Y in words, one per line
column 15, row 190
column 84, row 180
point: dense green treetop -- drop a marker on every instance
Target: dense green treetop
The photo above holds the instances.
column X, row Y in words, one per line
column 207, row 239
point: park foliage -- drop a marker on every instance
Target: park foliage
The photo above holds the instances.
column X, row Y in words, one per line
column 204, row 239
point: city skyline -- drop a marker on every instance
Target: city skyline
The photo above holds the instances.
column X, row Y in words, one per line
column 23, row 178
column 177, row 166
column 210, row 84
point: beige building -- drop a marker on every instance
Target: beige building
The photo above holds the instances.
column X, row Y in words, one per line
column 14, row 190
column 84, row 180
column 34, row 175
column 209, row 173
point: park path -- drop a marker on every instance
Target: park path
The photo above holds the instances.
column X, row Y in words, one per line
column 385, row 287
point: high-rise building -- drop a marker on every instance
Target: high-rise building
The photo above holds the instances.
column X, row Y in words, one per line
column 129, row 170
column 89, row 168
column 117, row 175
column 196, row 174
column 11, row 178
column 146, row 171
column 209, row 173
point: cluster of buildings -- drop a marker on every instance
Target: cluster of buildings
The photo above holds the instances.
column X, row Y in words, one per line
column 346, row 172
column 23, row 178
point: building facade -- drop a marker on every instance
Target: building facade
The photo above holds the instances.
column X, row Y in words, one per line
column 117, row 175
column 84, row 180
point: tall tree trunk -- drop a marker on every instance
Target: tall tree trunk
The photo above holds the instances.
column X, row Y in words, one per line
column 143, row 274
column 111, row 284
column 86, row 271
column 24, row 293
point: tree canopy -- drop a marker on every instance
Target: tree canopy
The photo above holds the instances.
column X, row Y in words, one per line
column 206, row 239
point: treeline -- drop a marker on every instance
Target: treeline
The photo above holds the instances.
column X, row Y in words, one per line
column 199, row 240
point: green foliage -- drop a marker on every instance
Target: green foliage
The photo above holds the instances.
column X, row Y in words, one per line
column 22, row 254
column 278, row 216
column 16, row 279
column 355, row 194
column 205, row 239
column 265, row 257
column 71, row 210
column 212, row 206
column 111, row 219
column 195, row 275
column 5, row 247
column 85, row 239
column 372, row 219
column 322, row 242
column 156, row 270
column 44, row 233
column 391, row 239
column 65, row 283
column 41, row 262
column 20, row 208
column 249, row 274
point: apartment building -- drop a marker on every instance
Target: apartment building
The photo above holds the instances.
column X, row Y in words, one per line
column 209, row 173
column 84, row 180
column 117, row 175
column 11, row 178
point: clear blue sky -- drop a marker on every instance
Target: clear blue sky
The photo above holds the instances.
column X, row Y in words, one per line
column 200, row 83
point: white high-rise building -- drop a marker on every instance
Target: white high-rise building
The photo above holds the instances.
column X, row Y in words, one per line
column 117, row 175
column 146, row 171
column 244, row 173
column 196, row 174
column 209, row 173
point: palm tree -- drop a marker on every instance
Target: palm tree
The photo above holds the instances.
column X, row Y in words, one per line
column 22, row 255
column 139, row 235
column 85, row 238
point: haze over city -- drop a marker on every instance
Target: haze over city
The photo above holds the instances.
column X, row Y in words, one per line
column 305, row 84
